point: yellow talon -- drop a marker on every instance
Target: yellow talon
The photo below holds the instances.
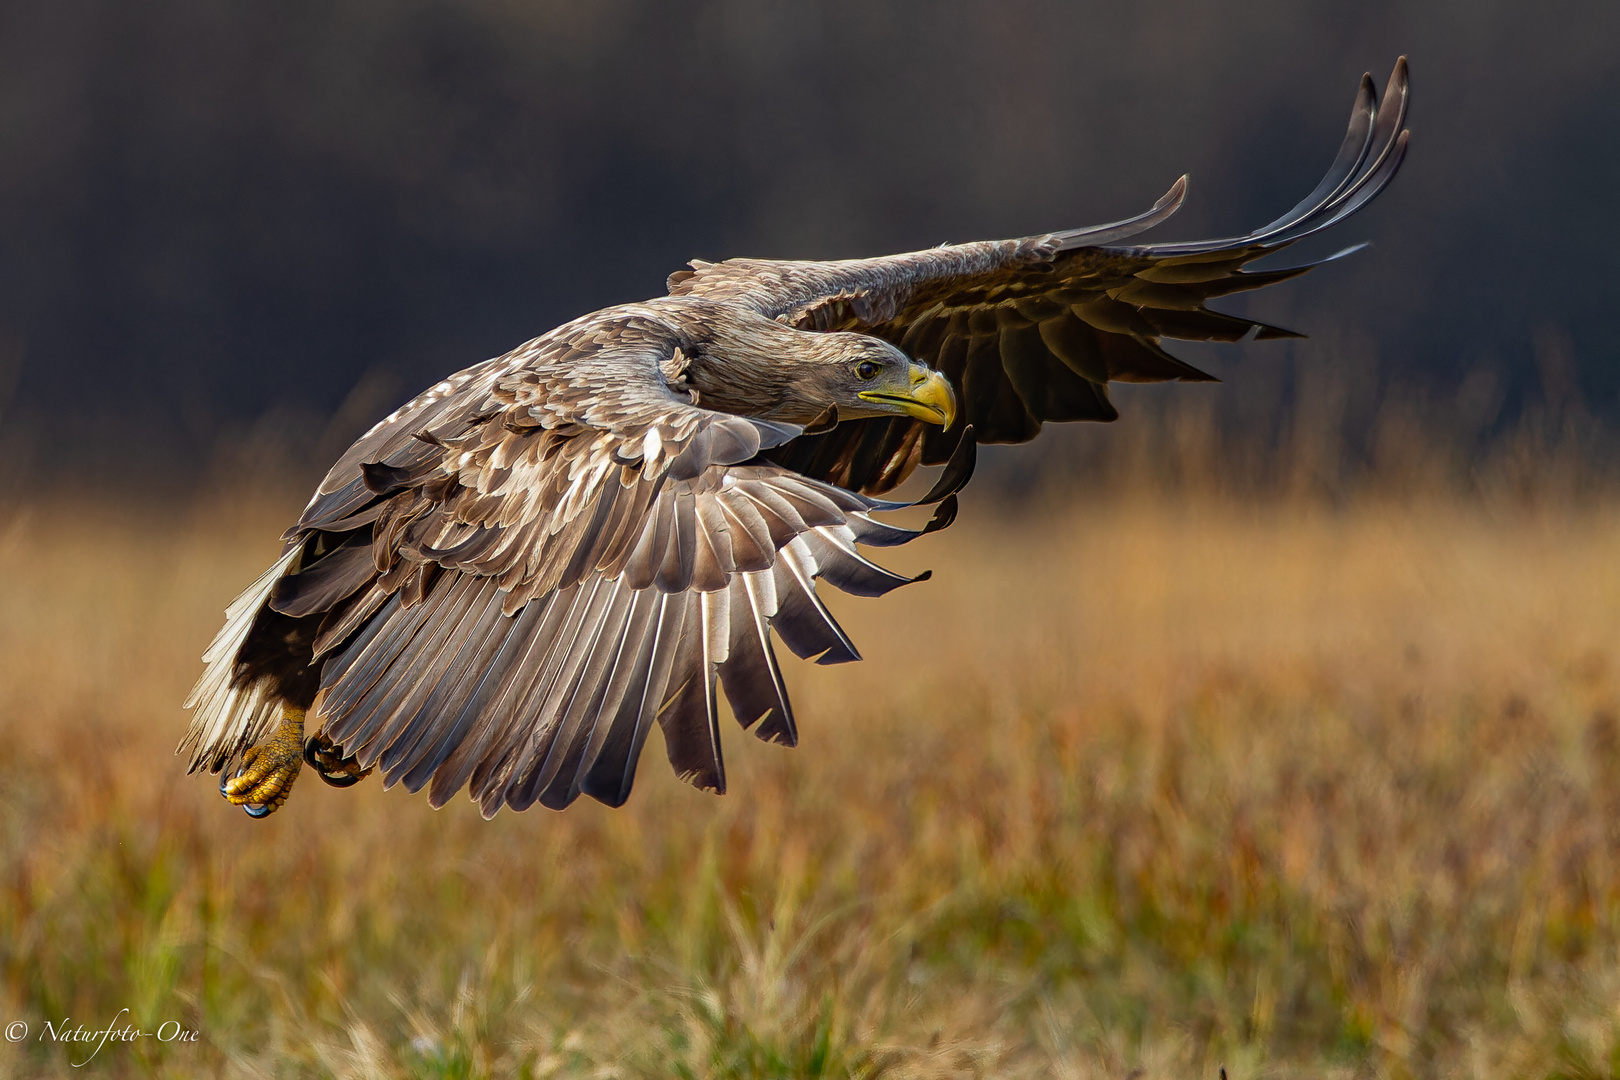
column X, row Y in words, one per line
column 268, row 770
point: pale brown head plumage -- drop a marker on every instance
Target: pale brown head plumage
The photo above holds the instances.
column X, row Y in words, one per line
column 749, row 365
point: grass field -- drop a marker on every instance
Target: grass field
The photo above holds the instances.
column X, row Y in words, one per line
column 1128, row 789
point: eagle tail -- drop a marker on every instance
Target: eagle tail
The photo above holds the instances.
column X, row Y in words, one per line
column 230, row 717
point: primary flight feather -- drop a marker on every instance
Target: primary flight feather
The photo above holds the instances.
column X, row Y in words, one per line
column 507, row 582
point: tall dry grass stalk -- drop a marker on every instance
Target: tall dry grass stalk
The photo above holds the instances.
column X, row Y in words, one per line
column 1287, row 786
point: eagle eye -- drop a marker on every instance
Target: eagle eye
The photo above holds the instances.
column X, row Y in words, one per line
column 868, row 369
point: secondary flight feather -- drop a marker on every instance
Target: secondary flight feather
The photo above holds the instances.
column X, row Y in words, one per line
column 508, row 582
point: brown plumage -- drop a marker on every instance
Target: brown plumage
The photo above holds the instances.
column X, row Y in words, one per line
column 506, row 582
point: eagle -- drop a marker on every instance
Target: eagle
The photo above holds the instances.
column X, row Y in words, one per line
column 508, row 581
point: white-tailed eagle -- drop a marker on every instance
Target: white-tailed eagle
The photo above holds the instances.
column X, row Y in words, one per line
column 504, row 584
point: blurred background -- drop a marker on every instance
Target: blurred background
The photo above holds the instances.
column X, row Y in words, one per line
column 237, row 233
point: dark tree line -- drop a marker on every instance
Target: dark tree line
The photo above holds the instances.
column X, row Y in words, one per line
column 215, row 215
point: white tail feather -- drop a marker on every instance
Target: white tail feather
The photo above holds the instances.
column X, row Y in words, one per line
column 229, row 718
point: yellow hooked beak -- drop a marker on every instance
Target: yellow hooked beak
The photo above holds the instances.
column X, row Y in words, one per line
column 929, row 398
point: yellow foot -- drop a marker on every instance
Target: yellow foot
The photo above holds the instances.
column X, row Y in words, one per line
column 326, row 758
column 268, row 770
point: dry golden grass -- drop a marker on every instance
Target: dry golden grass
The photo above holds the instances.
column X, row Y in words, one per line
column 1126, row 786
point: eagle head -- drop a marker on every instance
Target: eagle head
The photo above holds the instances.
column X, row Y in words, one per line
column 873, row 378
column 758, row 367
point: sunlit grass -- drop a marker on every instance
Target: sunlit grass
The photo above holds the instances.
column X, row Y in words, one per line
column 1127, row 785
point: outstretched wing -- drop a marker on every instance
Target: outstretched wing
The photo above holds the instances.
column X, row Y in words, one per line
column 1033, row 330
column 507, row 583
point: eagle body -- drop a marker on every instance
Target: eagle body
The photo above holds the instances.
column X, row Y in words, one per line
column 508, row 581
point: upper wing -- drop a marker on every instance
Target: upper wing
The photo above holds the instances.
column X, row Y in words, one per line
column 1032, row 330
column 509, row 597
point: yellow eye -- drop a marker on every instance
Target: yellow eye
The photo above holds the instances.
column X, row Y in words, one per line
column 868, row 369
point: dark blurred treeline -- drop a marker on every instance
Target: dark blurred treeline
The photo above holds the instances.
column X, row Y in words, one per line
column 237, row 231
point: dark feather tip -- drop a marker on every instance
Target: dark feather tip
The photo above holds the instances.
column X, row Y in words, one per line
column 958, row 470
column 826, row 421
column 383, row 479
column 943, row 516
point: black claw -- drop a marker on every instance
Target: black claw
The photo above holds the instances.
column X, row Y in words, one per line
column 339, row 780
column 224, row 778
